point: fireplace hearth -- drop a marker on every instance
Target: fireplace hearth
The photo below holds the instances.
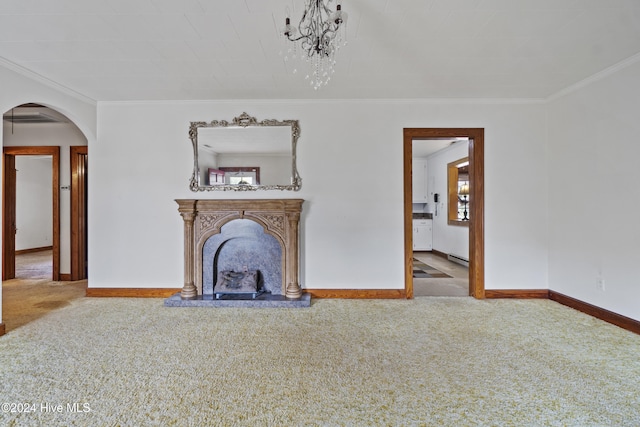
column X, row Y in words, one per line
column 240, row 253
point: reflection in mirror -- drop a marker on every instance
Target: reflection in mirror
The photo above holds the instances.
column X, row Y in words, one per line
column 245, row 154
column 235, row 175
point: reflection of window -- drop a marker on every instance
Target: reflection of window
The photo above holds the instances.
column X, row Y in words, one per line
column 458, row 192
column 241, row 175
column 244, row 180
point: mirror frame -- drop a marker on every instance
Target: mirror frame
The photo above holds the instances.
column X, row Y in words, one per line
column 244, row 121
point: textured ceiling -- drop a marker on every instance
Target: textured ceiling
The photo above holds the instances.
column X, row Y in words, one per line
column 111, row 50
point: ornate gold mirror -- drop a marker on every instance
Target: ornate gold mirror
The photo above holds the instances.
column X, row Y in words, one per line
column 244, row 154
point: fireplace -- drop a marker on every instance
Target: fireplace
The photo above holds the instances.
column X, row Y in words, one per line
column 230, row 239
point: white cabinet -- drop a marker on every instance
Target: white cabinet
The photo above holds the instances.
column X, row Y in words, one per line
column 422, row 234
column 419, row 180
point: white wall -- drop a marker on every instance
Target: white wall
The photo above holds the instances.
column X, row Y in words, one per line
column 350, row 160
column 448, row 239
column 34, row 199
column 20, row 87
column 593, row 196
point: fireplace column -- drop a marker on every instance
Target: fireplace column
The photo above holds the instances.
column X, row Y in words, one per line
column 188, row 213
column 292, row 287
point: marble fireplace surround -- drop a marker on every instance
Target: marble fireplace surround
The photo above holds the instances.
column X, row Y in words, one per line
column 204, row 218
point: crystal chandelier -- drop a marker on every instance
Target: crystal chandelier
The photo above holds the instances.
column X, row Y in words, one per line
column 321, row 32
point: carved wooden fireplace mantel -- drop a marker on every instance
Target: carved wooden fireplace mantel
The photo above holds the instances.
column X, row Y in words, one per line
column 205, row 218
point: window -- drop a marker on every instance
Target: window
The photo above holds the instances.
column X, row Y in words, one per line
column 458, row 192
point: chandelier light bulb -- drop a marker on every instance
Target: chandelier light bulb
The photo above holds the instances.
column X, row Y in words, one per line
column 289, row 30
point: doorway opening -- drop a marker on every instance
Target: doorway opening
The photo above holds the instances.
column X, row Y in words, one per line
column 9, row 217
column 437, row 195
column 475, row 190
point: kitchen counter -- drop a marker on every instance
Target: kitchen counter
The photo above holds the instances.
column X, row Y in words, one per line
column 422, row 215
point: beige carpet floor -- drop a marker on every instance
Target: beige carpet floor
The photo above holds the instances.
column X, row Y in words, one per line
column 428, row 361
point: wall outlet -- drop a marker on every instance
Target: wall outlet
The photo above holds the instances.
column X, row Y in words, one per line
column 600, row 283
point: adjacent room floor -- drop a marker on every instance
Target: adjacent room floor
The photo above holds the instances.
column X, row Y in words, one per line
column 34, row 265
column 32, row 294
column 455, row 286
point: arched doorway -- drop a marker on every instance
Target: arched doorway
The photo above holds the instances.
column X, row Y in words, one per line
column 36, row 130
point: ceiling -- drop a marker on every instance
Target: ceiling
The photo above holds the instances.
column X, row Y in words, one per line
column 112, row 50
column 33, row 113
column 262, row 140
column 426, row 147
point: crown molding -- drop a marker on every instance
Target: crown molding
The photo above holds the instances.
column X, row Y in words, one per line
column 45, row 81
column 380, row 101
column 595, row 77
